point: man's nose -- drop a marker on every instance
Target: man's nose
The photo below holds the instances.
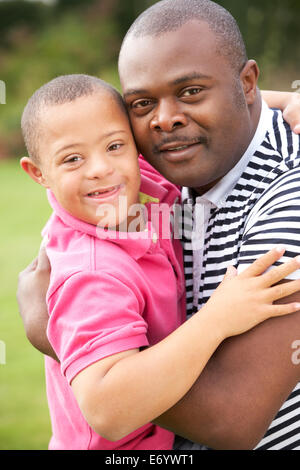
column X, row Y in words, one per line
column 99, row 166
column 168, row 116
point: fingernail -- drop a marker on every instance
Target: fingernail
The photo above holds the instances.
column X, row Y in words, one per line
column 297, row 129
column 297, row 259
column 280, row 248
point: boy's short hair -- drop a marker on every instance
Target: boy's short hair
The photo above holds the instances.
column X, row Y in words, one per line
column 60, row 90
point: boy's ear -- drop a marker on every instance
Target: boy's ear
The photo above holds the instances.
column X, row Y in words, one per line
column 33, row 171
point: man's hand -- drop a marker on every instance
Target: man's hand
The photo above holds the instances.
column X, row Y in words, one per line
column 31, row 296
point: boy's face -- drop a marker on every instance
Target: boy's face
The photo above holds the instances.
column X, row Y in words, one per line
column 89, row 158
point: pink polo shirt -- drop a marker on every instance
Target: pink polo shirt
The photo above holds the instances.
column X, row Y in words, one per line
column 107, row 296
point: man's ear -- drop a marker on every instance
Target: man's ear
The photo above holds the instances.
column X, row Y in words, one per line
column 33, row 171
column 249, row 77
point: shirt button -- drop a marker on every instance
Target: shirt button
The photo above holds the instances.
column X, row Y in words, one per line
column 154, row 237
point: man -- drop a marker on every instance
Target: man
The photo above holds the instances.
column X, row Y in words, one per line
column 198, row 118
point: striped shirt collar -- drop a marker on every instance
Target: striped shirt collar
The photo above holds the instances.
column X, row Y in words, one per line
column 219, row 193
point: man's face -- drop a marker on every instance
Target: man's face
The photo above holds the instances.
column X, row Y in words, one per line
column 186, row 105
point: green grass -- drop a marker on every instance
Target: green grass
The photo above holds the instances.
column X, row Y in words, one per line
column 24, row 417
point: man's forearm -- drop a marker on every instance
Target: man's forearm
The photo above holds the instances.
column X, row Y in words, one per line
column 241, row 389
column 36, row 334
column 31, row 296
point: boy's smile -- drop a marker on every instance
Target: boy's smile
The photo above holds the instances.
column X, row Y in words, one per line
column 89, row 159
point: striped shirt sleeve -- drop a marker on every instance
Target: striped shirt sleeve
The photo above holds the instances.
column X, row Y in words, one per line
column 274, row 220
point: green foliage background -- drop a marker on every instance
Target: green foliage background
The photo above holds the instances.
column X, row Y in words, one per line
column 39, row 41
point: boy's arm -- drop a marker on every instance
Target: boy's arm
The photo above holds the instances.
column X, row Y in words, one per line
column 289, row 103
column 97, row 387
column 199, row 412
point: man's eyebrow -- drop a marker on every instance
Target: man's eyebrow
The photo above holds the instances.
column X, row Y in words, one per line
column 177, row 81
column 191, row 76
column 134, row 92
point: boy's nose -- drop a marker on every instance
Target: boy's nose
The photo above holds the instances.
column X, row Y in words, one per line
column 99, row 167
column 168, row 116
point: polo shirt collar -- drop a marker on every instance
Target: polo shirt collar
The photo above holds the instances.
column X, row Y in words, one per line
column 218, row 194
column 136, row 244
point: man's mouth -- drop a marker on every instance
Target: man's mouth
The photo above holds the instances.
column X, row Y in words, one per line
column 178, row 146
column 179, row 151
column 176, row 149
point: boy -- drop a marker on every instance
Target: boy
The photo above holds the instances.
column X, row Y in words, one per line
column 117, row 284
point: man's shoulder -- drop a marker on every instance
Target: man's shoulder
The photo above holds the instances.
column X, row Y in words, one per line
column 279, row 203
column 283, row 140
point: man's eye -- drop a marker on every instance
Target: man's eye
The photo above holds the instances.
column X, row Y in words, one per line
column 192, row 91
column 141, row 104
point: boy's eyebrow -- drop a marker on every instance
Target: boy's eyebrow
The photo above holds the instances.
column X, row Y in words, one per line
column 177, row 81
column 66, row 147
column 117, row 131
column 103, row 136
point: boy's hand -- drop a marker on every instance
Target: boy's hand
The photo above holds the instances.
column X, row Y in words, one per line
column 31, row 296
column 291, row 112
column 288, row 102
column 243, row 301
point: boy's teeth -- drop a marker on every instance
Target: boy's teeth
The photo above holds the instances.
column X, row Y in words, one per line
column 97, row 193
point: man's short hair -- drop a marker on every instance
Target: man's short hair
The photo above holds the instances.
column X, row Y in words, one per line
column 60, row 90
column 170, row 15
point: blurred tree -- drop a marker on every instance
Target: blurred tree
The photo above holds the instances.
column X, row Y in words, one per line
column 20, row 14
column 126, row 12
column 270, row 29
column 63, row 5
column 39, row 41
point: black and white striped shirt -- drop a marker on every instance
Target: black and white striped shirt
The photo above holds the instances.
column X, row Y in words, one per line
column 253, row 208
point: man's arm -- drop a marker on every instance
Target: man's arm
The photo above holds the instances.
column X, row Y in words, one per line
column 242, row 387
column 33, row 309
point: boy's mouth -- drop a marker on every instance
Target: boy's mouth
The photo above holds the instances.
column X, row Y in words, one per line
column 103, row 193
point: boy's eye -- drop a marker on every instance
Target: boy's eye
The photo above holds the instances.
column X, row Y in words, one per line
column 114, row 147
column 72, row 159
